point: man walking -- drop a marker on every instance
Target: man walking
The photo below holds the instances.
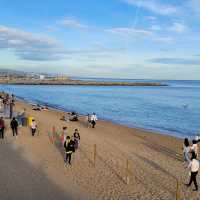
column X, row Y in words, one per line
column 69, row 149
column 14, row 126
column 2, row 127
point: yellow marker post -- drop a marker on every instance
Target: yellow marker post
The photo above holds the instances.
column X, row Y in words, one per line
column 53, row 133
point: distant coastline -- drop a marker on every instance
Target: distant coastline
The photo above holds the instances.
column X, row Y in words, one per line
column 76, row 82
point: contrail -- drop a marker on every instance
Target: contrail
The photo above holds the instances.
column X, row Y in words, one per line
column 137, row 14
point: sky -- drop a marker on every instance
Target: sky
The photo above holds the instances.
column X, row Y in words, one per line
column 139, row 39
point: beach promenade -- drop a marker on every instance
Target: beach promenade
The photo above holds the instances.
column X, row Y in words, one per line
column 129, row 163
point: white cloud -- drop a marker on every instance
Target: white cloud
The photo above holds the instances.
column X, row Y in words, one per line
column 72, row 23
column 29, row 46
column 164, row 39
column 156, row 28
column 154, row 6
column 126, row 31
column 178, row 27
column 151, row 18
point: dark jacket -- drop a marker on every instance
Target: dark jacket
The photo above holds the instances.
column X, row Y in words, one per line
column 77, row 136
column 2, row 124
column 69, row 146
column 14, row 124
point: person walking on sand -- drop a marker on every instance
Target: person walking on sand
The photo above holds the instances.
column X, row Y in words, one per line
column 93, row 119
column 76, row 138
column 194, row 147
column 88, row 120
column 69, row 149
column 194, row 167
column 33, row 127
column 14, row 126
column 2, row 127
column 64, row 135
column 186, row 150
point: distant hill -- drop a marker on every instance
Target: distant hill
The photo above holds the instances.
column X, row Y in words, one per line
column 10, row 72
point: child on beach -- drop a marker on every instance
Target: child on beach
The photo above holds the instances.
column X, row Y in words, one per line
column 33, row 127
column 186, row 150
column 194, row 167
column 69, row 149
column 76, row 138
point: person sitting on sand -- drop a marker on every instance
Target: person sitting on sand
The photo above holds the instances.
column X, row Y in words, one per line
column 194, row 147
column 44, row 108
column 93, row 119
column 194, row 167
column 69, row 149
column 33, row 127
column 76, row 138
column 14, row 126
column 36, row 107
column 73, row 117
column 186, row 150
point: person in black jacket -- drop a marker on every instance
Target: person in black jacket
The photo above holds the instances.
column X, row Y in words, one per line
column 69, row 149
column 14, row 126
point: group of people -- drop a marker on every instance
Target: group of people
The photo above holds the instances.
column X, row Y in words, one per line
column 70, row 144
column 14, row 124
column 190, row 154
column 6, row 104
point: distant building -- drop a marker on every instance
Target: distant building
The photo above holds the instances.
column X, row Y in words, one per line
column 42, row 77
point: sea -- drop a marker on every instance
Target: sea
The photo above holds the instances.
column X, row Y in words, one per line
column 172, row 110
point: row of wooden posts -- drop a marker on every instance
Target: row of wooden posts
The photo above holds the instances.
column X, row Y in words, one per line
column 127, row 177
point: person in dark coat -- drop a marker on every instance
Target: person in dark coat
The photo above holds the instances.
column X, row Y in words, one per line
column 14, row 126
column 69, row 149
column 2, row 127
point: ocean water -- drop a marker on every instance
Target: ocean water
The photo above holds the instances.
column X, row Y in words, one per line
column 173, row 110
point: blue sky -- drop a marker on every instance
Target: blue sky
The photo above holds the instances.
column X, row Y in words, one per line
column 153, row 39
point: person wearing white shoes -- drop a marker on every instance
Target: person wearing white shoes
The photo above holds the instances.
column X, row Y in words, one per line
column 194, row 167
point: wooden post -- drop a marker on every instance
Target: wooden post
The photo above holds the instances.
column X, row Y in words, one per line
column 95, row 152
column 53, row 133
column 127, row 172
column 177, row 190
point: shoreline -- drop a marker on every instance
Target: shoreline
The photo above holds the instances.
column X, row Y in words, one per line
column 151, row 131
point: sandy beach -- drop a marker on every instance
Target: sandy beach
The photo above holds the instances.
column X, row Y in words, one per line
column 33, row 167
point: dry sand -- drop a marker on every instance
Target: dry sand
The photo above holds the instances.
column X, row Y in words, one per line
column 33, row 167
